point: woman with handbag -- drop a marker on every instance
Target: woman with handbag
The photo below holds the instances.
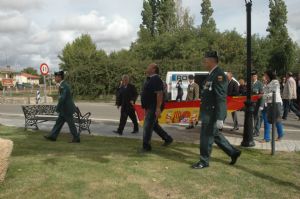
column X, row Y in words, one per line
column 272, row 85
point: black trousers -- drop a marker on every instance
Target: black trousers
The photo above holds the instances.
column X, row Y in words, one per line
column 59, row 124
column 235, row 119
column 150, row 125
column 179, row 98
column 125, row 112
column 289, row 105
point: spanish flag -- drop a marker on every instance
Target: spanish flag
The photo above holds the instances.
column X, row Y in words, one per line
column 185, row 112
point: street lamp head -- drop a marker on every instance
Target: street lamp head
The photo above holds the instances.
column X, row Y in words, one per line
column 248, row 3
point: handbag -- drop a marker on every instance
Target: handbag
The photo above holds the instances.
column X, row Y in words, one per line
column 273, row 112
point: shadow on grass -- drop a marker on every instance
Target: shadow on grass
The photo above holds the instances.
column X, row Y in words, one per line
column 92, row 148
column 102, row 149
column 261, row 175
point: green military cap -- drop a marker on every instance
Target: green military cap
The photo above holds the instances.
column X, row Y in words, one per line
column 254, row 72
column 211, row 54
column 191, row 77
column 59, row 73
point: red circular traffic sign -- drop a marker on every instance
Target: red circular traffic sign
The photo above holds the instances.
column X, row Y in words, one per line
column 44, row 69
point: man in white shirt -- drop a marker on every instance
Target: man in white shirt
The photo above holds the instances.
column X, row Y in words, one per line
column 289, row 94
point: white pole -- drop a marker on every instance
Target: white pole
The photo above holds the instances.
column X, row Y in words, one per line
column 45, row 89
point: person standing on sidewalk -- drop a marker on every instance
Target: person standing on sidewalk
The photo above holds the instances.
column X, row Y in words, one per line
column 192, row 94
column 152, row 103
column 257, row 89
column 65, row 108
column 126, row 98
column 233, row 90
column 289, row 96
column 179, row 91
column 273, row 85
column 213, row 113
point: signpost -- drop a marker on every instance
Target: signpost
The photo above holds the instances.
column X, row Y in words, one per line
column 44, row 68
column 7, row 83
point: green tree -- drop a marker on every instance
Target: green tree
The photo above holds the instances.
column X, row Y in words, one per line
column 30, row 70
column 167, row 18
column 208, row 24
column 282, row 53
column 149, row 16
column 86, row 67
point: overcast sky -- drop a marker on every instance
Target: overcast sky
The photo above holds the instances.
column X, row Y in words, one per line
column 35, row 31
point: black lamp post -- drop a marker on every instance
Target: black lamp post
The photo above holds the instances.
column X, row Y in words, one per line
column 248, row 123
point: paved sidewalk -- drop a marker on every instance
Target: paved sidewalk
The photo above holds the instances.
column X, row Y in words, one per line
column 104, row 127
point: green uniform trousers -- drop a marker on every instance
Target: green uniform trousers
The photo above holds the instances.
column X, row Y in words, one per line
column 210, row 134
column 59, row 124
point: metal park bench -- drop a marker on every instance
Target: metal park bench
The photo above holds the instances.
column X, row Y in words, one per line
column 35, row 114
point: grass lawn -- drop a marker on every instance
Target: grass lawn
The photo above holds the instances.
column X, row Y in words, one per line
column 102, row 167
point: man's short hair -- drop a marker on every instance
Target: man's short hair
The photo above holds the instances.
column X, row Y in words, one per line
column 156, row 68
column 125, row 77
column 290, row 74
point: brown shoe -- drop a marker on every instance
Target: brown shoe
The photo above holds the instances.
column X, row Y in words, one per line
column 264, row 141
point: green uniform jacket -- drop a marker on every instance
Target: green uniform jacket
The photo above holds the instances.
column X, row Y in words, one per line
column 65, row 106
column 213, row 100
column 257, row 88
column 192, row 92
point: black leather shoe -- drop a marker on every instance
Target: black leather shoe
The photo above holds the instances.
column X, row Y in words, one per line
column 168, row 142
column 199, row 165
column 190, row 127
column 118, row 132
column 255, row 134
column 234, row 129
column 49, row 138
column 235, row 157
column 145, row 150
column 135, row 132
column 75, row 141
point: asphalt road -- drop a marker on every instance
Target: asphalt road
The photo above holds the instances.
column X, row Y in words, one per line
column 105, row 117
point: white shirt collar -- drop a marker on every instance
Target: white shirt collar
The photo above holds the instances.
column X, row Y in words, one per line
column 60, row 83
column 153, row 75
column 212, row 69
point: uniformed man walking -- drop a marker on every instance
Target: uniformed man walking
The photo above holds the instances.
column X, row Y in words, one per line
column 126, row 97
column 65, row 108
column 192, row 94
column 257, row 89
column 213, row 113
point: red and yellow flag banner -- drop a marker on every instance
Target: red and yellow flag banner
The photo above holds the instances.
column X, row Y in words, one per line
column 188, row 111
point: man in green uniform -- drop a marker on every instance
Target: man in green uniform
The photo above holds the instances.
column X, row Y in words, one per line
column 65, row 108
column 213, row 113
column 192, row 94
column 257, row 89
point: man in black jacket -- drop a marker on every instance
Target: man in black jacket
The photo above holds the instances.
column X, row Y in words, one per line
column 233, row 90
column 126, row 97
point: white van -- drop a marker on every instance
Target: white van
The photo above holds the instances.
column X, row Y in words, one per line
column 173, row 77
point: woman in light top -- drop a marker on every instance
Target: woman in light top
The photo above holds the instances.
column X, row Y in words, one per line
column 272, row 85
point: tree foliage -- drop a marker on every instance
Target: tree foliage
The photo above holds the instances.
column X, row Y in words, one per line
column 30, row 70
column 282, row 53
column 169, row 37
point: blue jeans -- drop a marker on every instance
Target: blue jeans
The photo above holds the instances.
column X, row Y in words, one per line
column 150, row 125
column 267, row 127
